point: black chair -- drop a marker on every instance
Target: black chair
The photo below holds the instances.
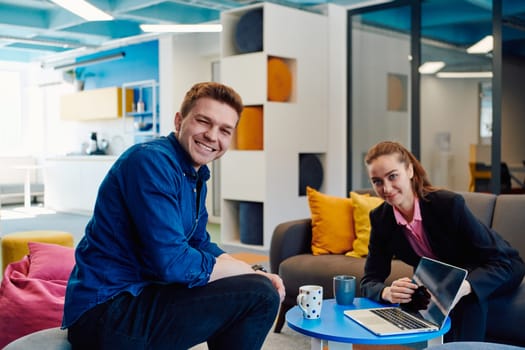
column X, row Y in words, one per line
column 505, row 179
column 480, row 178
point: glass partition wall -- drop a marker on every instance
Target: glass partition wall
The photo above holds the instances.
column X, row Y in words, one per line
column 380, row 83
column 414, row 78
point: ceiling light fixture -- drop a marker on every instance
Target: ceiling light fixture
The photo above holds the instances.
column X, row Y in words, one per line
column 431, row 67
column 181, row 28
column 44, row 42
column 464, row 75
column 84, row 9
column 89, row 61
column 485, row 45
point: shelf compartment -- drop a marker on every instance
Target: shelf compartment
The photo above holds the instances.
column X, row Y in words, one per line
column 243, row 30
column 242, row 223
column 311, row 171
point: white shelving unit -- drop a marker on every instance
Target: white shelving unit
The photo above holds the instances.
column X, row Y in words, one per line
column 146, row 92
column 270, row 176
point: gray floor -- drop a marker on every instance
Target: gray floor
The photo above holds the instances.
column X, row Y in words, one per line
column 16, row 218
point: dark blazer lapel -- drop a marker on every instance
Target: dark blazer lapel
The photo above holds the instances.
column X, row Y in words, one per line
column 432, row 216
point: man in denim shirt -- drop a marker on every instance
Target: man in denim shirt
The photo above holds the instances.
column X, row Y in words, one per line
column 147, row 275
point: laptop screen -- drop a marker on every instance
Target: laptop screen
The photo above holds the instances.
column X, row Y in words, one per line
column 442, row 281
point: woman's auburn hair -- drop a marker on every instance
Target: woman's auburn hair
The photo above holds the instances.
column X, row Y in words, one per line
column 420, row 182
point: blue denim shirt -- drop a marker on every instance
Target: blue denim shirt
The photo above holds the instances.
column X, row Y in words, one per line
column 148, row 226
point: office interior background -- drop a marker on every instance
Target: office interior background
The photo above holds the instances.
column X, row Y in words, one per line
column 369, row 87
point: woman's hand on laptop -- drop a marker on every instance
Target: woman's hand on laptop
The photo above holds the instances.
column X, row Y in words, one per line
column 400, row 291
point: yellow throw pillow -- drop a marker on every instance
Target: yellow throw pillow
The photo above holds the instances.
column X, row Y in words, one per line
column 332, row 223
column 363, row 204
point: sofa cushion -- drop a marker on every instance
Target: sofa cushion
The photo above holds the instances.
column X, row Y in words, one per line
column 332, row 223
column 481, row 205
column 506, row 316
column 309, row 269
column 509, row 220
column 362, row 205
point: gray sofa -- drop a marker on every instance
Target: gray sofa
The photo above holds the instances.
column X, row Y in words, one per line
column 291, row 257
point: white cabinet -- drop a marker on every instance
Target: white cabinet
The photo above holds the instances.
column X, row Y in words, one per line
column 71, row 182
column 97, row 104
column 268, row 174
column 142, row 122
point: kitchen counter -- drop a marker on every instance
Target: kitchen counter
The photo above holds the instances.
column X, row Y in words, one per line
column 71, row 182
column 76, row 157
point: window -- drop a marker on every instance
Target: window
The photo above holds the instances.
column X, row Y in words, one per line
column 485, row 112
column 10, row 112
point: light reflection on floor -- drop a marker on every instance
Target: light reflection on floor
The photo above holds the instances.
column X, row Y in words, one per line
column 22, row 212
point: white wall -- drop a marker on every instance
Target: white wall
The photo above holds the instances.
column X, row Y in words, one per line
column 335, row 169
column 184, row 60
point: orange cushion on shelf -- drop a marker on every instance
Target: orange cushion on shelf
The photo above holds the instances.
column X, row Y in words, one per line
column 250, row 129
column 279, row 80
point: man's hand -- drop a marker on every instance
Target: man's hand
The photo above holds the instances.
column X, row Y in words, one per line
column 276, row 281
column 400, row 291
column 226, row 265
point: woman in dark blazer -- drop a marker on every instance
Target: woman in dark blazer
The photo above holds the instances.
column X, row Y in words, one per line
column 418, row 220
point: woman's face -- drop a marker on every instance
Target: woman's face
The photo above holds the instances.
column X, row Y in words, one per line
column 391, row 181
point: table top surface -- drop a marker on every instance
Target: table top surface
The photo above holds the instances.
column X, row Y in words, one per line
column 335, row 326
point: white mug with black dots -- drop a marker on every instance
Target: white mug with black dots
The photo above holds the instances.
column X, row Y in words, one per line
column 310, row 300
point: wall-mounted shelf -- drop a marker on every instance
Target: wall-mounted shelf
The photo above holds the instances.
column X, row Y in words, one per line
column 284, row 88
column 142, row 120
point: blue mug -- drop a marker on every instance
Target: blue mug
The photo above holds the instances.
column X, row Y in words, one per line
column 344, row 289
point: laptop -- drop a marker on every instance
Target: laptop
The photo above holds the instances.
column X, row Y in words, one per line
column 442, row 282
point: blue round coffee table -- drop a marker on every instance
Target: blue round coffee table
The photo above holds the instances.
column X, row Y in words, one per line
column 340, row 332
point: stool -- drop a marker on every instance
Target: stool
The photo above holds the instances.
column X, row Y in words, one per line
column 47, row 339
column 14, row 245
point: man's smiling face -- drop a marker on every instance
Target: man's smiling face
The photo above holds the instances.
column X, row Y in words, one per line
column 207, row 131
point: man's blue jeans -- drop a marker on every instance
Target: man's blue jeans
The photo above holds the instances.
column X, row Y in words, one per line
column 230, row 313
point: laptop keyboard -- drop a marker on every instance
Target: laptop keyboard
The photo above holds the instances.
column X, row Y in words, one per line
column 399, row 318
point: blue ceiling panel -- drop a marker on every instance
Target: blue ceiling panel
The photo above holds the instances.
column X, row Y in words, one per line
column 25, row 23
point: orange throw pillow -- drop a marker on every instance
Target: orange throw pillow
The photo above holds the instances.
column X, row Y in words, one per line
column 332, row 223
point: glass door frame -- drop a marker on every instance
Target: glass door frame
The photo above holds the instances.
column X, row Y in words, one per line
column 415, row 52
column 415, row 112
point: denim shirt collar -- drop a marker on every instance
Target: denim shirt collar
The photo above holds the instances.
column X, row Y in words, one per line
column 185, row 161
